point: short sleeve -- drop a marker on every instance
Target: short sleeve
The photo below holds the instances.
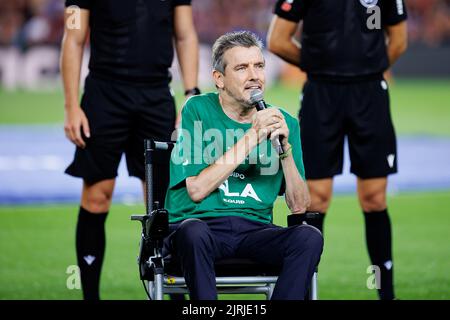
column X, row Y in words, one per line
column 393, row 12
column 292, row 10
column 181, row 3
column 295, row 142
column 187, row 156
column 83, row 4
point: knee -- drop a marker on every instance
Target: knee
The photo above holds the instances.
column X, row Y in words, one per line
column 320, row 200
column 306, row 238
column 97, row 202
column 373, row 201
column 314, row 239
column 192, row 232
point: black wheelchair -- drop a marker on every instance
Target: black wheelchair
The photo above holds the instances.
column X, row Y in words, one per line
column 163, row 275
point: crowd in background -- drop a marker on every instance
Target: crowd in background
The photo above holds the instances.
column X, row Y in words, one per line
column 24, row 23
column 429, row 21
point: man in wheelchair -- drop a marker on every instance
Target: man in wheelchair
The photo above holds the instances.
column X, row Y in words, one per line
column 228, row 166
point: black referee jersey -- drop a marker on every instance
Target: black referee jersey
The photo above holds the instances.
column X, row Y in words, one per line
column 131, row 40
column 337, row 39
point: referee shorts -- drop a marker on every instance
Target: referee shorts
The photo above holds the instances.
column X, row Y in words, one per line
column 120, row 117
column 359, row 111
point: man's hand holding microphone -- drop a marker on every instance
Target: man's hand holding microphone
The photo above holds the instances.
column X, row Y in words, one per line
column 269, row 123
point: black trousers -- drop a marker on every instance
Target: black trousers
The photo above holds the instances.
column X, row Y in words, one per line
column 121, row 115
column 198, row 243
column 357, row 111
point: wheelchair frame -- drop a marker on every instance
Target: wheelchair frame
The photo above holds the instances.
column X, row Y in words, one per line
column 155, row 227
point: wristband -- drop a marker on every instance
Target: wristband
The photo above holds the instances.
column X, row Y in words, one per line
column 286, row 154
column 194, row 91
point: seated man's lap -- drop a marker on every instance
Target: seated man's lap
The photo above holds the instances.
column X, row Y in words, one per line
column 272, row 244
column 237, row 237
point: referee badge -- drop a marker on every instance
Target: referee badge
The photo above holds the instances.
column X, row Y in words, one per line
column 369, row 3
column 287, row 5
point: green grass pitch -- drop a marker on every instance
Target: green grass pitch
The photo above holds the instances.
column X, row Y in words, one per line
column 418, row 106
column 37, row 243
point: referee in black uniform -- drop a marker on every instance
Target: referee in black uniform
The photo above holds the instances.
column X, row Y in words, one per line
column 126, row 99
column 346, row 45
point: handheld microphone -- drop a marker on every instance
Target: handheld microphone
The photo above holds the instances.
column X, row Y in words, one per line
column 257, row 100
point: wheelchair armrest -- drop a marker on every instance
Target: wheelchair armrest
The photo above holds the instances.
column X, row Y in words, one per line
column 138, row 217
column 297, row 219
column 155, row 225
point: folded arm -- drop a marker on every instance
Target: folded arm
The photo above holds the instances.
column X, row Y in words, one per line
column 210, row 178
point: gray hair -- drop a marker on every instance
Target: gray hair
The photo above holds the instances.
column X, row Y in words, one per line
column 230, row 40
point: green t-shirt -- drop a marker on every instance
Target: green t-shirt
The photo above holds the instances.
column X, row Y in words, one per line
column 206, row 134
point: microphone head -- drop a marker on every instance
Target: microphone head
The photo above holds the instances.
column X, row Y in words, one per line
column 256, row 96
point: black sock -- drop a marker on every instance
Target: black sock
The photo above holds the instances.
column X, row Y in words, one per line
column 379, row 245
column 90, row 245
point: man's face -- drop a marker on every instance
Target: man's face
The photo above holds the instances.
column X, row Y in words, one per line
column 244, row 73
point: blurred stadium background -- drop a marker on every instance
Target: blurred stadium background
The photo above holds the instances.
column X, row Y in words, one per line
column 38, row 203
